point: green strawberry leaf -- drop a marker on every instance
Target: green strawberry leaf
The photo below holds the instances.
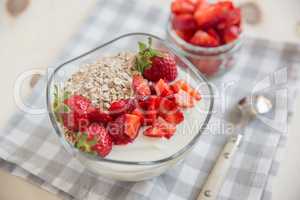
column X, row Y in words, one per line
column 84, row 144
column 146, row 53
column 66, row 95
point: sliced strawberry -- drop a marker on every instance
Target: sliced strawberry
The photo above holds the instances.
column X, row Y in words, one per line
column 132, row 125
column 184, row 100
column 182, row 85
column 185, row 35
column 231, row 33
column 161, row 128
column 163, row 89
column 78, row 104
column 202, row 38
column 149, row 106
column 167, row 106
column 207, row 16
column 182, row 7
column 212, row 32
column 124, row 129
column 209, row 67
column 139, row 113
column 74, row 121
column 201, row 4
column 121, row 107
column 184, row 22
column 140, row 85
column 154, row 132
column 174, row 117
column 98, row 116
column 232, row 17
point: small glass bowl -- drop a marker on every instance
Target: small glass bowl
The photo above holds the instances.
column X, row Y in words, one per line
column 123, row 169
column 211, row 61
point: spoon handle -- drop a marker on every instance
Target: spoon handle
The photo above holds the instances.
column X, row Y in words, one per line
column 217, row 175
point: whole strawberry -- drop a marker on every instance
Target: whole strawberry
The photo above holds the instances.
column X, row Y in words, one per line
column 95, row 140
column 155, row 65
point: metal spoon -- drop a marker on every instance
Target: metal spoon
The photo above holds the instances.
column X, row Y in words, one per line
column 250, row 108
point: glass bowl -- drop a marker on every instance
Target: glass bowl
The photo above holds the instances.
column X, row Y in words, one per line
column 126, row 167
column 211, row 61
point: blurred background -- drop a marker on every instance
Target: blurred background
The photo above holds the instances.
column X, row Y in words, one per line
column 33, row 33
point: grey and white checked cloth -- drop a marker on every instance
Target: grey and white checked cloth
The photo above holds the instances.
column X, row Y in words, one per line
column 30, row 149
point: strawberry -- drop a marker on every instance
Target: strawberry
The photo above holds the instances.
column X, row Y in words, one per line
column 140, row 85
column 182, row 7
column 121, row 107
column 149, row 107
column 174, row 117
column 124, row 129
column 98, row 116
column 167, row 106
column 207, row 16
column 95, row 140
column 78, row 103
column 184, row 22
column 212, row 32
column 160, row 128
column 185, row 35
column 232, row 17
column 182, row 85
column 139, row 113
column 202, row 38
column 74, row 121
column 184, row 100
column 155, row 65
column 163, row 89
column 231, row 33
column 208, row 67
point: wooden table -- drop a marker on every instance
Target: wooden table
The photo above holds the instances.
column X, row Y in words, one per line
column 34, row 38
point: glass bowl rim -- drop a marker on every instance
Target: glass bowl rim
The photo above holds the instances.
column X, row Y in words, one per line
column 75, row 151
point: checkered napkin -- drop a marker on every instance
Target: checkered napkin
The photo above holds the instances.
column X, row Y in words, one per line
column 30, row 149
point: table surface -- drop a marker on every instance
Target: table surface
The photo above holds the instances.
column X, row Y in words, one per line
column 33, row 39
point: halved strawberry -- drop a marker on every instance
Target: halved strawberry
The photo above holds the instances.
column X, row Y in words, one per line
column 163, row 89
column 140, row 85
column 78, row 103
column 74, row 121
column 121, row 107
column 174, row 117
column 98, row 116
column 182, row 6
column 161, row 128
column 124, row 129
column 182, row 85
column 184, row 22
column 202, row 38
column 184, row 99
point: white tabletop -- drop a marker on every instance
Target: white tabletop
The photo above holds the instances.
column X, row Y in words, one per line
column 33, row 39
